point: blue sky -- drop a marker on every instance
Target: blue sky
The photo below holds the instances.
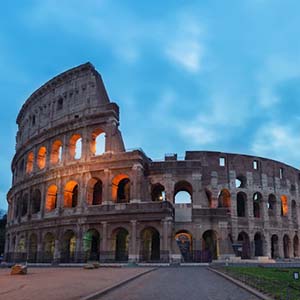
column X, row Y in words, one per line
column 187, row 75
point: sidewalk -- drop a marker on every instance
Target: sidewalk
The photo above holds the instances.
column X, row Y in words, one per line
column 62, row 283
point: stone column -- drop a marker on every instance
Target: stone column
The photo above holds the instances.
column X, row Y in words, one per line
column 196, row 184
column 133, row 256
column 137, row 172
column 104, row 255
column 79, row 256
column 106, row 187
column 56, row 255
column 167, row 233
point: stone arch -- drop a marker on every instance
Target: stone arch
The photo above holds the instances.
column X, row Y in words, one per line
column 75, row 146
column 274, row 246
column 48, row 247
column 56, row 152
column 296, row 246
column 51, row 198
column 257, row 200
column 272, row 205
column 121, row 244
column 157, row 192
column 98, row 142
column 33, row 242
column 183, row 192
column 150, row 244
column 284, row 205
column 91, row 244
column 94, row 191
column 68, row 246
column 241, row 200
column 24, row 205
column 286, row 246
column 243, row 238
column 240, row 181
column 30, row 162
column 209, row 197
column 41, row 157
column 210, row 244
column 258, row 244
column 71, row 194
column 121, row 188
column 224, row 199
column 184, row 240
column 36, row 201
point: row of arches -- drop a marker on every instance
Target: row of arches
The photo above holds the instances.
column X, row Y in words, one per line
column 55, row 154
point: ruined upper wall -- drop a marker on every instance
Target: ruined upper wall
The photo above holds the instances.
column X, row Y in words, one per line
column 73, row 94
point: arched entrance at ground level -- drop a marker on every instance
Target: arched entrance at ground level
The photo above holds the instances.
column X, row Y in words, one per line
column 68, row 246
column 184, row 242
column 296, row 246
column 121, row 244
column 210, row 244
column 150, row 245
column 49, row 244
column 286, row 246
column 274, row 246
column 258, row 245
column 91, row 244
column 243, row 238
column 32, row 255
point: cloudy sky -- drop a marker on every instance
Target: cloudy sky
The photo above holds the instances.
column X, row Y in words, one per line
column 187, row 75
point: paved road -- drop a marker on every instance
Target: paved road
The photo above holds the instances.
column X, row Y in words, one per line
column 179, row 283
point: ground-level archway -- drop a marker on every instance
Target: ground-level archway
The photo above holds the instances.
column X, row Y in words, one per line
column 243, row 238
column 258, row 244
column 68, row 247
column 121, row 239
column 286, row 246
column 32, row 255
column 150, row 245
column 184, row 242
column 91, row 245
column 274, row 246
column 210, row 244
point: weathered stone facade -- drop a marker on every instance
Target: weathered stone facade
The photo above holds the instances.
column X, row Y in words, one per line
column 74, row 199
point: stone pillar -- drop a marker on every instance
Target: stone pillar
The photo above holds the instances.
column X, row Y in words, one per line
column 106, row 187
column 104, row 253
column 196, row 184
column 166, row 252
column 56, row 255
column 137, row 172
column 79, row 255
column 280, row 246
column 133, row 256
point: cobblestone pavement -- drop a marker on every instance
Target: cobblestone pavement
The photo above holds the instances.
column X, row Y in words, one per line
column 60, row 283
column 180, row 283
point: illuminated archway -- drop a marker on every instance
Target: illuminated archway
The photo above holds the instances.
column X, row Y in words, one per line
column 41, row 158
column 98, row 142
column 30, row 162
column 75, row 146
column 94, row 191
column 71, row 194
column 51, row 200
column 284, row 205
column 224, row 199
column 56, row 152
column 184, row 242
column 121, row 189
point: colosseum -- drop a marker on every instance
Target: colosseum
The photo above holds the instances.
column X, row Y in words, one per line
column 78, row 195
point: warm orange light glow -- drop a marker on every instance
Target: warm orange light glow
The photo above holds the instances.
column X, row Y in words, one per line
column 224, row 198
column 115, row 183
column 284, row 205
column 56, row 152
column 73, row 145
column 30, row 161
column 69, row 193
column 41, row 159
column 97, row 144
column 51, row 198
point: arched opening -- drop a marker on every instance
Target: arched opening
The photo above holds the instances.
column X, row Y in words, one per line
column 121, row 244
column 243, row 238
column 296, row 246
column 49, row 245
column 158, row 192
column 30, row 162
column 274, row 246
column 241, row 199
column 210, row 244
column 257, row 199
column 68, row 246
column 98, row 142
column 94, row 191
column 208, row 195
column 272, row 205
column 224, row 199
column 75, row 146
column 56, row 152
column 184, row 242
column 121, row 189
column 41, row 158
column 91, row 244
column 240, row 182
column 71, row 194
column 51, row 200
column 284, row 205
column 21, row 246
column 150, row 245
column 24, row 205
column 286, row 246
column 36, row 201
column 294, row 212
column 183, row 192
column 258, row 244
column 60, row 103
column 32, row 255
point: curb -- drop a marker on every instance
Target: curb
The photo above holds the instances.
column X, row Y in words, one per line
column 114, row 286
column 242, row 285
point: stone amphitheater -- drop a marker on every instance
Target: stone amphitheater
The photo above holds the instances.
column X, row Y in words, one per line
column 78, row 195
